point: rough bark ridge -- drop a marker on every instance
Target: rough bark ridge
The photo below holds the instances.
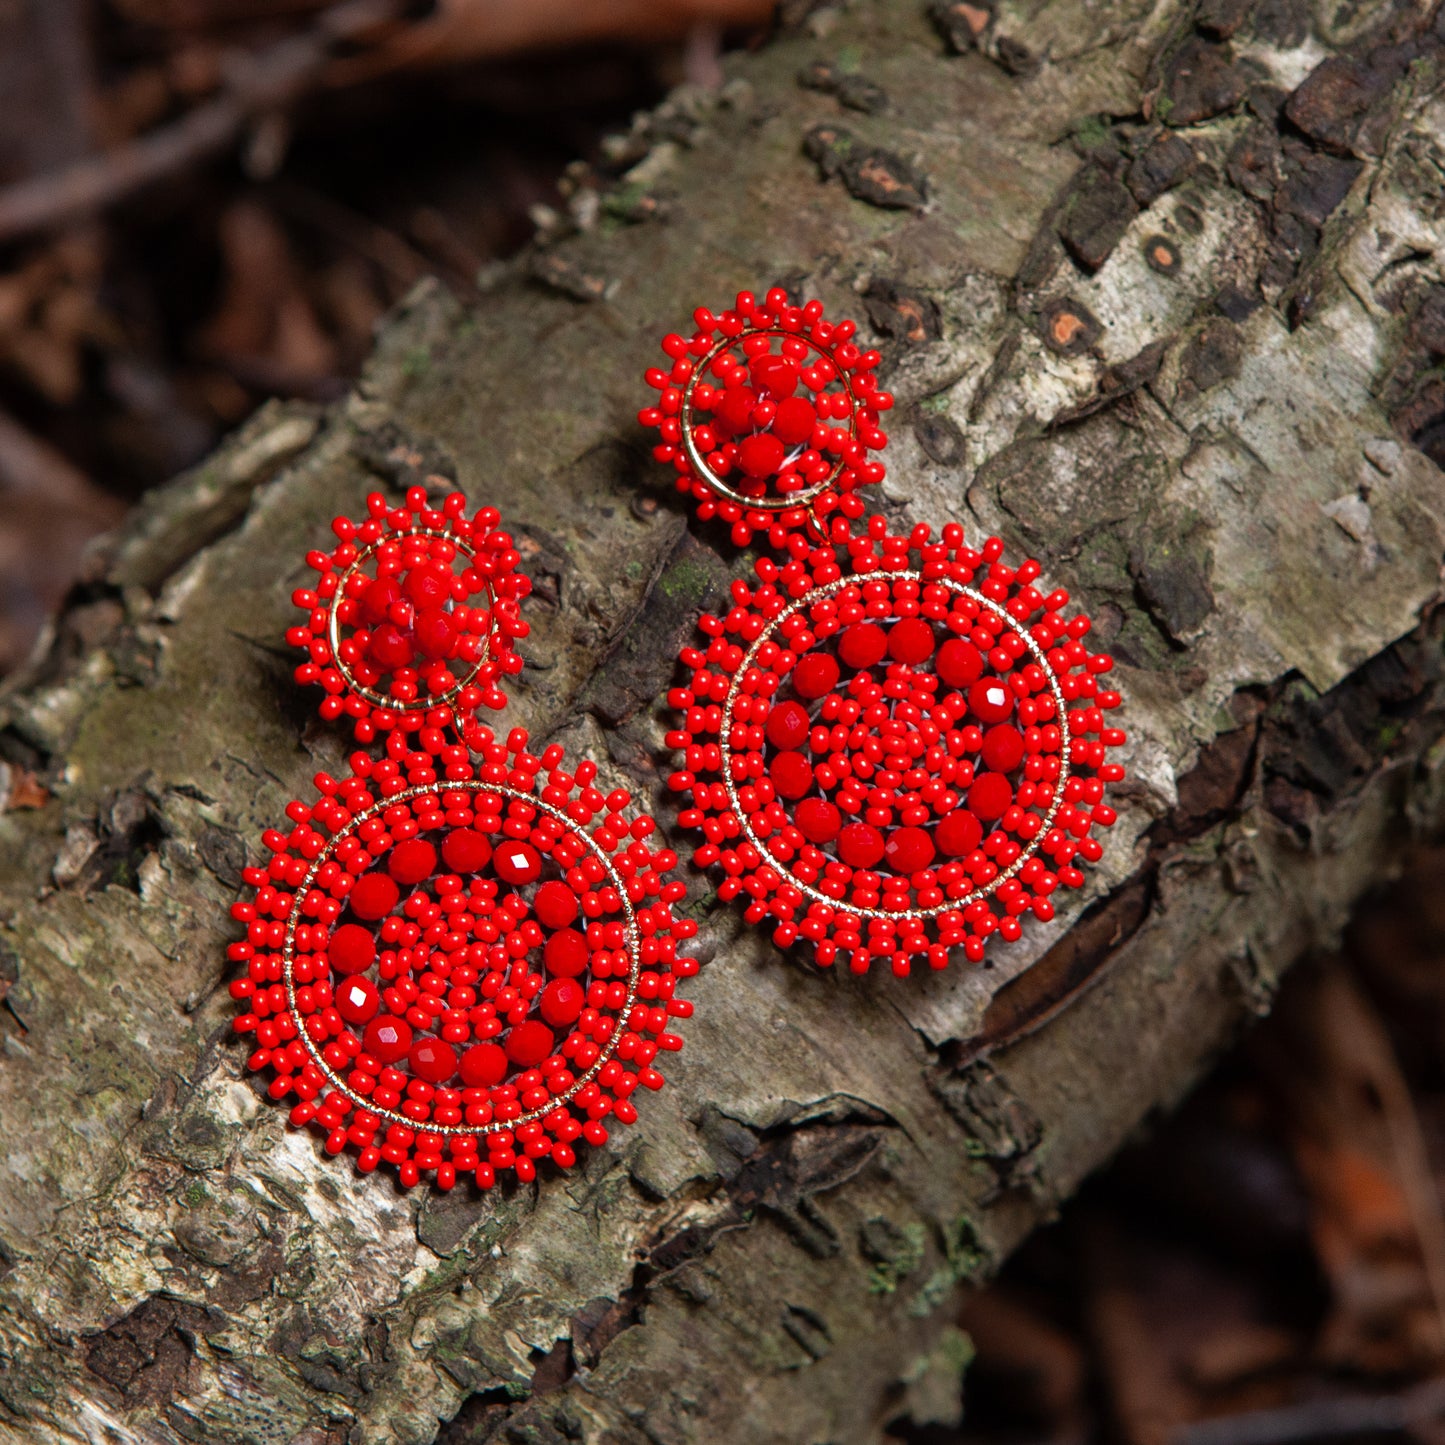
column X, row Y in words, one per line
column 1160, row 288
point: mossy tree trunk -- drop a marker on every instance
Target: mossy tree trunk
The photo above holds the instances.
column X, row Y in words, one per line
column 1160, row 292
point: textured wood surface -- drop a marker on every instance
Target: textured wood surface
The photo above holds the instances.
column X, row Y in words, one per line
column 1160, row 292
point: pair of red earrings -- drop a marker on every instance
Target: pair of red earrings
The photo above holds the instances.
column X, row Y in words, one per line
column 462, row 958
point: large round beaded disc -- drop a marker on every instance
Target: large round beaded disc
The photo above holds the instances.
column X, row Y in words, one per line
column 896, row 748
column 462, row 965
column 413, row 612
column 768, row 412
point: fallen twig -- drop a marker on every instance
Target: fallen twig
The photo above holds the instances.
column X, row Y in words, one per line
column 1347, row 1416
column 256, row 83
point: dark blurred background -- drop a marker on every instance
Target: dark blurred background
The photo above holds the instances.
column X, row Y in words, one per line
column 207, row 203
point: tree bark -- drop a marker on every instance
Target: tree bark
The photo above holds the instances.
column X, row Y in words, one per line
column 1160, row 291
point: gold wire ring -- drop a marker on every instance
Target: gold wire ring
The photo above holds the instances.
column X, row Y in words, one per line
column 288, row 959
column 333, row 624
column 695, row 457
column 745, row 822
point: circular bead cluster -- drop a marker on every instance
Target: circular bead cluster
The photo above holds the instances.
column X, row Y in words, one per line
column 769, row 412
column 415, row 609
column 462, row 962
column 895, row 748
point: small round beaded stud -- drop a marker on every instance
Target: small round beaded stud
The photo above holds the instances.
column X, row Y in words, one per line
column 414, row 610
column 769, row 413
column 895, row 748
column 462, row 962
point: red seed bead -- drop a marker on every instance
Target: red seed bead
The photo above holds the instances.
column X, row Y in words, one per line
column 792, row 775
column 908, row 850
column 863, row 645
column 412, row 861
column 373, row 896
column 989, row 796
column 529, row 1043
column 1003, row 748
column 516, row 863
column 555, row 905
column 432, row 1060
column 910, row 640
column 787, row 725
column 464, row 850
column 818, row 820
column 990, row 700
column 815, row 675
column 387, row 1038
column 860, row 845
column 561, row 1002
column 566, row 953
column 351, row 949
column 959, row 663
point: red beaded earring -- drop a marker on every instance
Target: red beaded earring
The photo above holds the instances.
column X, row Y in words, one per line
column 896, row 752
column 461, row 958
column 893, row 747
column 415, row 610
column 769, row 413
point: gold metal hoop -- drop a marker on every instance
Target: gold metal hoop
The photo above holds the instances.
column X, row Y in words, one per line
column 745, row 822
column 699, row 463
column 288, row 960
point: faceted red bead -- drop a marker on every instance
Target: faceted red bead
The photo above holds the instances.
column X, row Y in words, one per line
column 990, row 700
column 377, row 600
column 357, row 1000
column 910, row 640
column 735, row 411
column 818, row 820
column 483, row 1066
column 792, row 774
column 958, row 834
column 860, row 845
column 761, row 454
column 516, row 863
column 390, row 647
column 1003, row 748
column 815, row 675
column 908, row 850
column 555, row 905
column 562, row 1002
column 464, row 850
column 351, row 949
column 433, row 1060
column 566, row 953
column 989, row 796
column 434, row 633
column 529, row 1043
column 959, row 663
column 387, row 1038
column 373, row 896
column 862, row 645
column 795, row 421
column 774, row 374
column 412, row 861
column 428, row 586
column 787, row 724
